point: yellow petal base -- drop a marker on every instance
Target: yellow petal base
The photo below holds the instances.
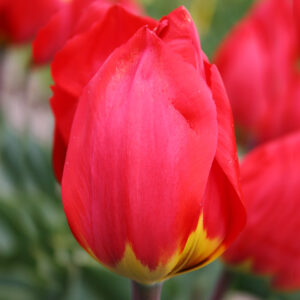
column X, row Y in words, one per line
column 198, row 252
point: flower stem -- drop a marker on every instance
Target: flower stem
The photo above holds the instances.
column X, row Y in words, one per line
column 145, row 292
column 222, row 285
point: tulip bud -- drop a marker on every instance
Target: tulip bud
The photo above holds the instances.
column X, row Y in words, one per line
column 150, row 182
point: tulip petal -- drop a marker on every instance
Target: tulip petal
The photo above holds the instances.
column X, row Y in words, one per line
column 76, row 17
column 222, row 199
column 227, row 161
column 59, row 154
column 87, row 53
column 63, row 106
column 141, row 148
column 51, row 38
column 180, row 33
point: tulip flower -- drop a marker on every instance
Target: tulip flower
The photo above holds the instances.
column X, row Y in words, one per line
column 269, row 245
column 258, row 63
column 20, row 20
column 150, row 181
column 76, row 17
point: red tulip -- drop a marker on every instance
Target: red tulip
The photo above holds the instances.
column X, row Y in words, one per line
column 258, row 64
column 150, row 183
column 270, row 182
column 21, row 19
column 77, row 17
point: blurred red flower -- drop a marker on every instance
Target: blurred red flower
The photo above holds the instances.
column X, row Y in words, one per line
column 270, row 183
column 258, row 63
column 20, row 20
column 76, row 17
column 150, row 183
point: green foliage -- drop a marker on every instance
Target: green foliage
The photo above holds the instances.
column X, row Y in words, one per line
column 260, row 286
column 157, row 9
column 227, row 14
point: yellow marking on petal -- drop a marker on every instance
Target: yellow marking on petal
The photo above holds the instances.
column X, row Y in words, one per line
column 199, row 250
column 133, row 268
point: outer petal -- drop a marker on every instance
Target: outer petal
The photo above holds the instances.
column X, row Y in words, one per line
column 63, row 106
column 270, row 181
column 224, row 214
column 96, row 10
column 223, row 197
column 81, row 58
column 76, row 17
column 59, row 154
column 87, row 51
column 140, row 152
column 52, row 37
column 180, row 33
column 226, row 165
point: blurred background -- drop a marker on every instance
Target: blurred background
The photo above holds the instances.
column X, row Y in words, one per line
column 39, row 258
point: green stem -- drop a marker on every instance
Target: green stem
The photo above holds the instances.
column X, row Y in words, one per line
column 145, row 292
column 222, row 285
column 2, row 56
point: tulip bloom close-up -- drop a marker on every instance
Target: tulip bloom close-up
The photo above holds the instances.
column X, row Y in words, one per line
column 269, row 245
column 20, row 20
column 118, row 153
column 150, row 182
column 76, row 17
column 258, row 62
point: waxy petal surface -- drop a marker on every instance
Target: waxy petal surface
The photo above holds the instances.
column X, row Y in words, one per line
column 226, row 165
column 87, row 52
column 180, row 33
column 222, row 199
column 141, row 148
